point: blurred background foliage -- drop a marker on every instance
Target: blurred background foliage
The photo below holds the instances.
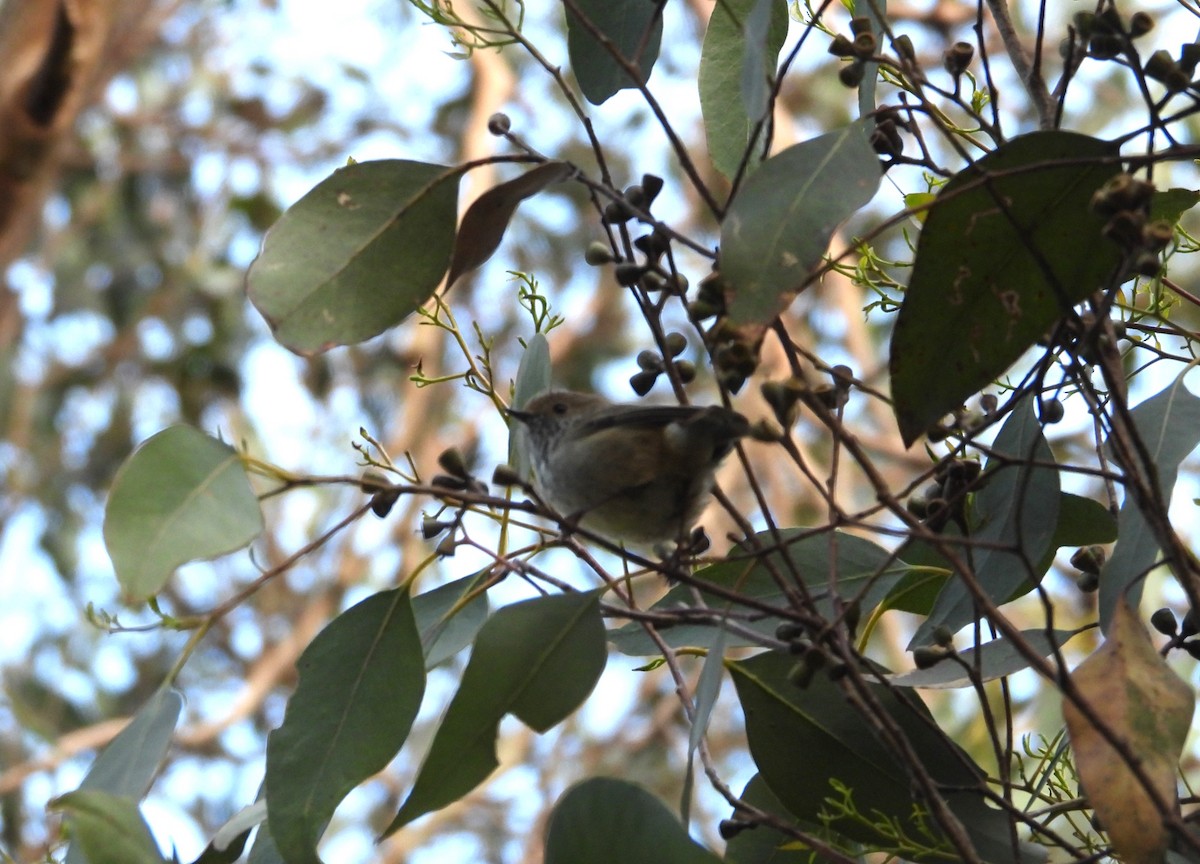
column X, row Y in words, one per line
column 123, row 310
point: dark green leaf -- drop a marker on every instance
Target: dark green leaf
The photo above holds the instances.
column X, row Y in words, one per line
column 632, row 28
column 108, row 828
column 995, row 659
column 730, row 60
column 538, row 660
column 1082, row 522
column 603, row 821
column 485, row 221
column 356, row 255
column 1018, row 508
column 777, row 229
column 802, row 739
column 763, row 845
column 181, row 496
column 1169, row 424
column 443, row 635
column 862, row 571
column 361, row 683
column 990, row 280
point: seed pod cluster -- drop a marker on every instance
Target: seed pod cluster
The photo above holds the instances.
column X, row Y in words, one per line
column 859, row 49
column 1106, row 33
column 945, row 498
column 1125, row 201
column 651, row 364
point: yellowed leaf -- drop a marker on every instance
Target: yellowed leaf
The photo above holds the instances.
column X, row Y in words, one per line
column 1131, row 689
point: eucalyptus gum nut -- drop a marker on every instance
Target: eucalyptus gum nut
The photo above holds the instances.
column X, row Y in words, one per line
column 958, row 57
column 453, row 463
column 904, row 48
column 1159, row 65
column 1158, row 234
column 598, row 253
column 675, row 343
column 649, row 361
column 431, row 527
column 506, row 475
column 651, row 186
column 698, row 310
column 1189, row 56
column 686, row 371
column 1163, row 620
column 1140, row 23
column 628, row 273
column 852, row 75
column 1051, row 410
column 1089, row 559
column 382, row 502
column 841, row 46
column 864, row 45
column 654, row 281
column 643, row 382
column 1085, row 23
column 928, row 656
column 499, row 123
column 372, row 482
column 1147, row 264
column 860, row 25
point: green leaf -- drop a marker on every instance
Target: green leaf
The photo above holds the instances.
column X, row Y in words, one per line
column 1170, row 204
column 1133, row 691
column 361, row 683
column 356, row 255
column 485, row 221
column 730, row 60
column 444, row 634
column 604, row 820
column 180, row 496
column 1082, row 522
column 992, row 660
column 533, row 378
column 108, row 828
column 538, row 660
column 990, row 280
column 802, row 739
column 1017, row 509
column 862, row 570
column 1169, row 424
column 632, row 28
column 126, row 767
column 777, row 229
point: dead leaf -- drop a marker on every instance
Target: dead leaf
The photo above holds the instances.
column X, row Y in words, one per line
column 1130, row 688
column 485, row 221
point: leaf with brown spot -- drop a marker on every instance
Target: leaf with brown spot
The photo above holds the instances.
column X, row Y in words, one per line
column 486, row 220
column 1132, row 690
column 1008, row 245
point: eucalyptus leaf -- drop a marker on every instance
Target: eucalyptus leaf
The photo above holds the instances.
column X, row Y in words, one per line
column 1009, row 245
column 181, row 496
column 356, row 255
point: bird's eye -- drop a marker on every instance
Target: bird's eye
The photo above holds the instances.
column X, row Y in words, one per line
column 560, row 408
